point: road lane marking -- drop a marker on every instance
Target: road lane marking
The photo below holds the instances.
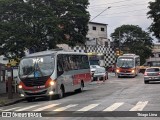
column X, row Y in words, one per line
column 89, row 107
column 26, row 108
column 66, row 107
column 114, row 106
column 139, row 106
column 12, row 109
column 46, row 107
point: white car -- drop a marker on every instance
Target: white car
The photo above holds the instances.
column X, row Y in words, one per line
column 98, row 72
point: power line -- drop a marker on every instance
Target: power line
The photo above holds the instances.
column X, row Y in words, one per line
column 96, row 10
column 115, row 3
column 126, row 5
column 120, row 12
column 124, row 16
column 124, row 12
column 111, row 3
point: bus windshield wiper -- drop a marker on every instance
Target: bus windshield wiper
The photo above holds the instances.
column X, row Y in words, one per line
column 29, row 74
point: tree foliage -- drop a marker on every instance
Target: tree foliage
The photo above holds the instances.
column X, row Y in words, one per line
column 132, row 39
column 41, row 24
column 154, row 14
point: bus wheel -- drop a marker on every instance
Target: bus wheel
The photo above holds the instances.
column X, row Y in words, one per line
column 30, row 99
column 61, row 93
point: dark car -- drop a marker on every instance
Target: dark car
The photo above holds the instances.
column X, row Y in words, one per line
column 152, row 74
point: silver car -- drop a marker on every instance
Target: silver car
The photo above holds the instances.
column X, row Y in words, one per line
column 152, row 74
column 98, row 72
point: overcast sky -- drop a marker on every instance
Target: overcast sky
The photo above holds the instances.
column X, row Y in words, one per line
column 120, row 12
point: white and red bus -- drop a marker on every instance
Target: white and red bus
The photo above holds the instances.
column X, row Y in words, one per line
column 54, row 72
column 128, row 65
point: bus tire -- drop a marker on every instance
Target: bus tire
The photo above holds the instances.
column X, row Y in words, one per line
column 61, row 93
column 146, row 82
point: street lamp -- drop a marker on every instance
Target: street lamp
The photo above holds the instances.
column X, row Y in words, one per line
column 100, row 13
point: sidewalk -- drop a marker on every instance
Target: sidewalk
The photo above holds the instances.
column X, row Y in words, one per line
column 4, row 101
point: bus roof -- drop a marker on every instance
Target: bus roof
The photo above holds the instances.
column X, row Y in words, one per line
column 94, row 53
column 129, row 55
column 49, row 52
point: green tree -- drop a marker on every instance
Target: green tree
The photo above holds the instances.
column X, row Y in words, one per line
column 154, row 14
column 132, row 39
column 41, row 24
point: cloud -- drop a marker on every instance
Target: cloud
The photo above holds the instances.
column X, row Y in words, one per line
column 121, row 12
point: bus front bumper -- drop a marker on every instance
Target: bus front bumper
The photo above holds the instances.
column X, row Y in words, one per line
column 37, row 93
column 126, row 74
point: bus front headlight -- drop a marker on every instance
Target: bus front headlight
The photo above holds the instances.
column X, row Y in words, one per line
column 20, row 86
column 133, row 71
column 52, row 83
column 117, row 70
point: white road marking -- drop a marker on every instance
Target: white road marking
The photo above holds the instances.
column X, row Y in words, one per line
column 114, row 106
column 46, row 107
column 89, row 107
column 26, row 108
column 66, row 107
column 139, row 106
column 12, row 109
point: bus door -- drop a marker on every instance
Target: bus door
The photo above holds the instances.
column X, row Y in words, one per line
column 65, row 75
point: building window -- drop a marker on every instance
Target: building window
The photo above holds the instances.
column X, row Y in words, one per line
column 102, row 29
column 94, row 28
column 158, row 55
column 87, row 38
column 152, row 55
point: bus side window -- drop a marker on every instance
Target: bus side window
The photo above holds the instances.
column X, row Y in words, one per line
column 60, row 70
column 85, row 62
column 66, row 63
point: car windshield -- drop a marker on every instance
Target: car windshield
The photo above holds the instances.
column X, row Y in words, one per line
column 152, row 70
column 36, row 67
column 125, row 62
column 94, row 62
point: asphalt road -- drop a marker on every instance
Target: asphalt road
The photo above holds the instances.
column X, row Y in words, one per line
column 119, row 95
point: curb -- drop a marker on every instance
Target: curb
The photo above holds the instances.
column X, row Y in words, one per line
column 12, row 102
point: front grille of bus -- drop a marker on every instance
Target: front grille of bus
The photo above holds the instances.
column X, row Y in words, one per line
column 37, row 93
column 30, row 82
column 125, row 71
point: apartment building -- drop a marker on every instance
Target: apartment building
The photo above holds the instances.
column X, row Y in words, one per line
column 156, row 54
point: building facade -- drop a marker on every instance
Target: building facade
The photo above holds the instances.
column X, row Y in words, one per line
column 3, row 62
column 97, row 41
column 156, row 54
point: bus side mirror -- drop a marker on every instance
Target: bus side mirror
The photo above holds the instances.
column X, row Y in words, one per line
column 59, row 73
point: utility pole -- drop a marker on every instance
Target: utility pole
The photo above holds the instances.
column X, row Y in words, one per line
column 10, row 79
column 119, row 41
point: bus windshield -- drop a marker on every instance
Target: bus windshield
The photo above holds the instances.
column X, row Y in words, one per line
column 36, row 67
column 125, row 62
